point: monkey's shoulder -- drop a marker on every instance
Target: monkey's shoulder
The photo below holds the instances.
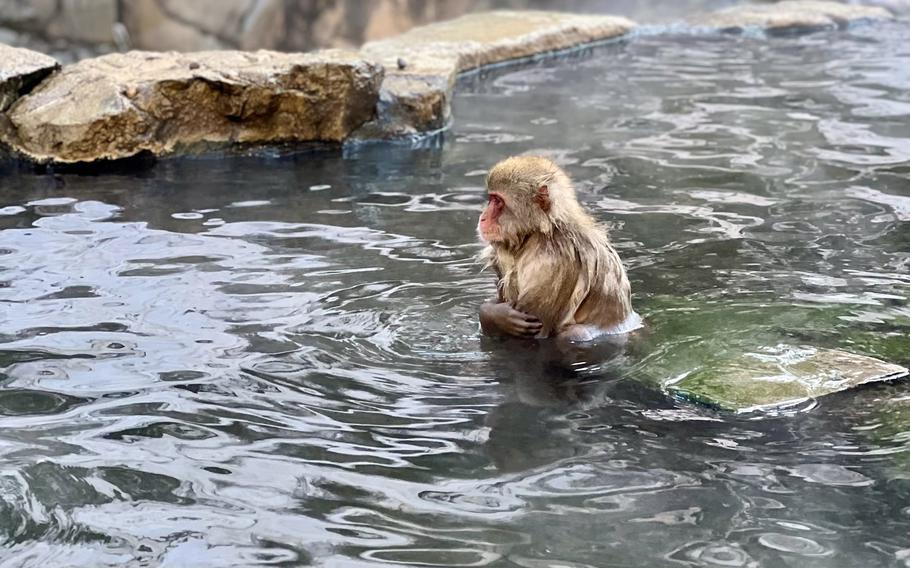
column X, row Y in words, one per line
column 578, row 248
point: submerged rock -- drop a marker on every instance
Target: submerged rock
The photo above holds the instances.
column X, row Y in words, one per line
column 780, row 377
column 20, row 70
column 421, row 64
column 791, row 14
column 120, row 105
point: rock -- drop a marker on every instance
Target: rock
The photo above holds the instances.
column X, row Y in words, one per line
column 120, row 105
column 150, row 27
column 237, row 23
column 317, row 23
column 791, row 14
column 416, row 97
column 9, row 37
column 217, row 17
column 780, row 377
column 20, row 71
column 90, row 21
column 27, row 14
column 896, row 6
column 258, row 28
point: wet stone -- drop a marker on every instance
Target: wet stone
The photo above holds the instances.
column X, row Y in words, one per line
column 421, row 64
column 780, row 377
column 20, row 70
column 791, row 15
column 121, row 105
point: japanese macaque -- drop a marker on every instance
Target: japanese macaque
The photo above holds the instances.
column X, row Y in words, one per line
column 558, row 275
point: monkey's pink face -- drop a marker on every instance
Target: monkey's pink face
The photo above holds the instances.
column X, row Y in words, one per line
column 489, row 227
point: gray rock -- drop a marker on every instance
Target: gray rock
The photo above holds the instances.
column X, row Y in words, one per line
column 27, row 14
column 150, row 27
column 206, row 24
column 89, row 21
column 896, row 6
column 263, row 25
column 119, row 105
column 790, row 14
column 20, row 70
column 217, row 17
column 416, row 97
column 8, row 36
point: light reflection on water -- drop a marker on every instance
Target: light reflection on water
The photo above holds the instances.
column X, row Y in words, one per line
column 277, row 360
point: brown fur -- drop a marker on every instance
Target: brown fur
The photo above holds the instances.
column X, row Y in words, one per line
column 553, row 260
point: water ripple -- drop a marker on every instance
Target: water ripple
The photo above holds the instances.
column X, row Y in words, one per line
column 276, row 359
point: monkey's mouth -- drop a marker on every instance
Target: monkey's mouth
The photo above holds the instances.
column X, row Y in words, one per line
column 488, row 237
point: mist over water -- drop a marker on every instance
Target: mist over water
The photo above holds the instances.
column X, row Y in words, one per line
column 276, row 360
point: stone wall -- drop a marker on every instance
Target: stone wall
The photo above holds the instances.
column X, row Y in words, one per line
column 73, row 29
column 67, row 29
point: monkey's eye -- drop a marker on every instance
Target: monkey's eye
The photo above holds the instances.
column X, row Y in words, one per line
column 496, row 201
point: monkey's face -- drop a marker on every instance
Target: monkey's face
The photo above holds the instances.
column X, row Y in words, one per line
column 520, row 199
column 512, row 213
column 490, row 225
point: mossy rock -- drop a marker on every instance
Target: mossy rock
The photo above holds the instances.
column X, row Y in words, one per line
column 779, row 377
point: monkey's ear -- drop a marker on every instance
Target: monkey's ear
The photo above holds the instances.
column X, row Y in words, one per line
column 543, row 198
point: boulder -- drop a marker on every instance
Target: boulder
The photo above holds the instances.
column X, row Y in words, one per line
column 90, row 21
column 780, row 377
column 421, row 64
column 206, row 24
column 120, row 105
column 217, row 17
column 31, row 15
column 151, row 28
column 20, row 70
column 791, row 14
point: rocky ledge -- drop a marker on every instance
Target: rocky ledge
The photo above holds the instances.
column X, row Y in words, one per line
column 117, row 106
column 791, row 15
column 21, row 70
column 421, row 64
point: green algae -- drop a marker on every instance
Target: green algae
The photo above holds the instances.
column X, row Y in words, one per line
column 759, row 355
column 780, row 376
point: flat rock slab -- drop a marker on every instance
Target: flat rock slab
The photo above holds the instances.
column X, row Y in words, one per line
column 421, row 64
column 20, row 70
column 119, row 105
column 791, row 14
column 780, row 377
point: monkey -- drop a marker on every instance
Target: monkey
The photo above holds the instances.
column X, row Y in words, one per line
column 557, row 272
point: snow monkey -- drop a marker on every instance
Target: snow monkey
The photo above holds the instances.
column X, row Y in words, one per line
column 558, row 275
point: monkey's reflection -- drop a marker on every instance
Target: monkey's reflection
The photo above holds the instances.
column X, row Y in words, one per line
column 547, row 382
column 553, row 373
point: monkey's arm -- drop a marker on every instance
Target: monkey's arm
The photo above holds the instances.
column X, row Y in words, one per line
column 500, row 318
column 552, row 289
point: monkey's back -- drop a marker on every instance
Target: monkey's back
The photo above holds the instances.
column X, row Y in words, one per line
column 566, row 278
column 608, row 301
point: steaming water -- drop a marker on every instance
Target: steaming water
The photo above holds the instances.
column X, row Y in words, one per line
column 276, row 360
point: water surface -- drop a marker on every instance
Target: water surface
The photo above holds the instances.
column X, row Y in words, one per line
column 275, row 360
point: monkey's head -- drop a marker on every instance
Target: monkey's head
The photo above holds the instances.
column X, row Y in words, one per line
column 527, row 194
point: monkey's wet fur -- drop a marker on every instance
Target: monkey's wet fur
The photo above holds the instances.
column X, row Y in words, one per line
column 557, row 273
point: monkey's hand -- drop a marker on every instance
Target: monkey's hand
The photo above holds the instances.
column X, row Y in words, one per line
column 501, row 318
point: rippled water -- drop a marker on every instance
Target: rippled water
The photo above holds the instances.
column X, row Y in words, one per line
column 276, row 360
